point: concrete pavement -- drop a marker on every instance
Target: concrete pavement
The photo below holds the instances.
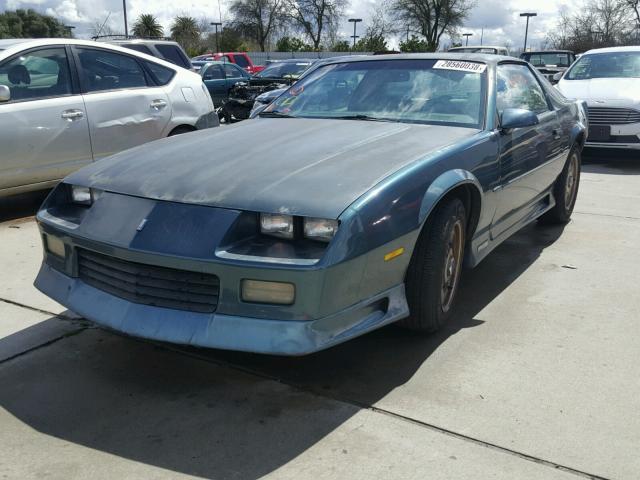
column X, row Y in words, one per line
column 536, row 376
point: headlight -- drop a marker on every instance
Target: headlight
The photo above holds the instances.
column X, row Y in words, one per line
column 276, row 225
column 84, row 195
column 320, row 229
column 81, row 195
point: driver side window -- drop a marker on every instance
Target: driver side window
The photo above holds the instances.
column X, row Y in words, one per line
column 37, row 74
column 518, row 88
column 214, row 72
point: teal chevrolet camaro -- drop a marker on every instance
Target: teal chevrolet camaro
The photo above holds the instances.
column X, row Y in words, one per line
column 352, row 202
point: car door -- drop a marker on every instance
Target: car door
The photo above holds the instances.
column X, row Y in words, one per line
column 124, row 106
column 43, row 127
column 215, row 81
column 234, row 74
column 527, row 155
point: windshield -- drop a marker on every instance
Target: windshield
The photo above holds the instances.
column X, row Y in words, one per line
column 548, row 59
column 606, row 65
column 284, row 70
column 442, row 92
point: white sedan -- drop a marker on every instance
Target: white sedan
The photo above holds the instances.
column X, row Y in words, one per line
column 608, row 79
column 66, row 103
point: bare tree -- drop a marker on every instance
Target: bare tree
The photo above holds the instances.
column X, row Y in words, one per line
column 601, row 23
column 380, row 21
column 379, row 27
column 635, row 7
column 612, row 19
column 315, row 18
column 431, row 18
column 258, row 19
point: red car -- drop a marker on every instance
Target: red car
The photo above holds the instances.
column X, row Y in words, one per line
column 239, row 58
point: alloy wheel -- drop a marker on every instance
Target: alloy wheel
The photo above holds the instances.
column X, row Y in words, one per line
column 452, row 265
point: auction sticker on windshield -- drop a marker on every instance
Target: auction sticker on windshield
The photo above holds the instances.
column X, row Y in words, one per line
column 470, row 67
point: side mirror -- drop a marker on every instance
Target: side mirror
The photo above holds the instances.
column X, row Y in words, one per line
column 517, row 118
column 5, row 93
column 557, row 77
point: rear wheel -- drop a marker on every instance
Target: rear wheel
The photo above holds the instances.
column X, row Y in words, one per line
column 434, row 272
column 565, row 191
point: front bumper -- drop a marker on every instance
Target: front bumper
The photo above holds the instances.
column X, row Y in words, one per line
column 230, row 332
column 618, row 146
column 334, row 302
column 623, row 137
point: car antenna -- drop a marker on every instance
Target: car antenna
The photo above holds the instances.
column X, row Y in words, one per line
column 102, row 26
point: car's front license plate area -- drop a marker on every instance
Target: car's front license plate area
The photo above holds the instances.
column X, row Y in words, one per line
column 599, row 133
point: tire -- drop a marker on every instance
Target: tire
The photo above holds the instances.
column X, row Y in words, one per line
column 565, row 191
column 180, row 131
column 434, row 272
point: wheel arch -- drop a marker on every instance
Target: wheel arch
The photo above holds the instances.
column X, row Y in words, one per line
column 454, row 184
column 182, row 127
column 578, row 135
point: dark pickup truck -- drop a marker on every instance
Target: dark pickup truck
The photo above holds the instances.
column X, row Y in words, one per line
column 550, row 63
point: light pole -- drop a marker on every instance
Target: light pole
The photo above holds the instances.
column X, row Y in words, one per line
column 354, row 36
column 216, row 25
column 467, row 35
column 124, row 10
column 526, row 32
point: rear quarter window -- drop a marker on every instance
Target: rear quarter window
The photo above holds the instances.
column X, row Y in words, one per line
column 162, row 75
column 173, row 54
column 139, row 48
column 241, row 61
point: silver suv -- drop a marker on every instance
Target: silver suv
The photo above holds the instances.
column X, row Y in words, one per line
column 164, row 49
column 65, row 103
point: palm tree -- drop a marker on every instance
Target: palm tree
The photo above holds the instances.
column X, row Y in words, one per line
column 185, row 30
column 147, row 26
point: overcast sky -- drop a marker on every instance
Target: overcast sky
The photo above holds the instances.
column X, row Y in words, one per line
column 500, row 18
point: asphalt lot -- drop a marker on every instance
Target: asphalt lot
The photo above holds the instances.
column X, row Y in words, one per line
column 535, row 378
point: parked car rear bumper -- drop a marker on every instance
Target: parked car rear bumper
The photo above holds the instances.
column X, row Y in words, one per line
column 208, row 120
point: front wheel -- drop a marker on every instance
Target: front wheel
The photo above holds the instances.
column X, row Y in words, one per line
column 434, row 272
column 565, row 190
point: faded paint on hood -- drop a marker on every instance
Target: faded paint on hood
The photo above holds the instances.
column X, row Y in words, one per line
column 299, row 166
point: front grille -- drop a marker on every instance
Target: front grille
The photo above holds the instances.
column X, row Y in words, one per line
column 613, row 116
column 148, row 284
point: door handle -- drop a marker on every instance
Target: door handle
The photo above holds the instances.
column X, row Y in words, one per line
column 158, row 104
column 73, row 114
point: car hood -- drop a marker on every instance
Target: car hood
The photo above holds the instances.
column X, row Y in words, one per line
column 602, row 89
column 308, row 167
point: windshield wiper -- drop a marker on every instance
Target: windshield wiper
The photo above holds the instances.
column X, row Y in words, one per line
column 361, row 117
column 275, row 115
